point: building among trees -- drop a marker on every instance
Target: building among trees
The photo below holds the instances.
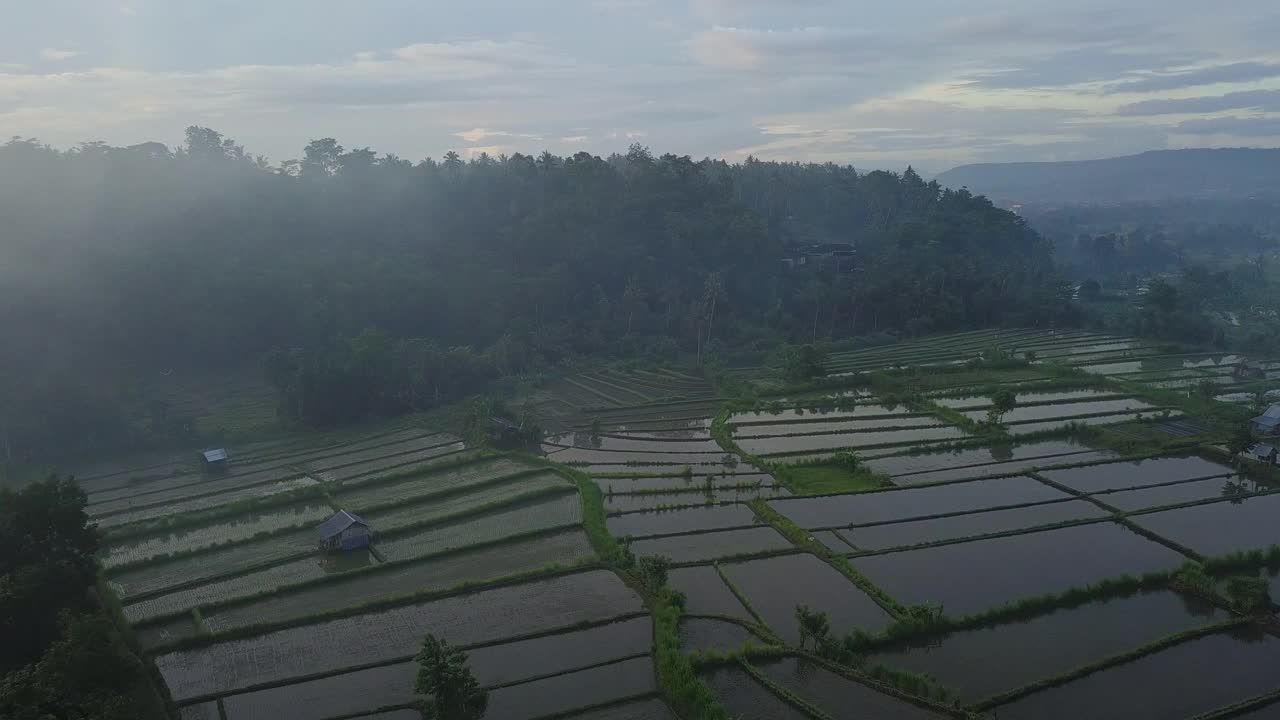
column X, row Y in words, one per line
column 1268, row 423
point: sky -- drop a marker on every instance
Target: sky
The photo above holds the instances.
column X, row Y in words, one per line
column 933, row 83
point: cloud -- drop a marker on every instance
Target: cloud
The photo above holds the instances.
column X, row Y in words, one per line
column 1228, row 73
column 480, row 134
column 1268, row 100
column 1250, row 127
column 57, row 55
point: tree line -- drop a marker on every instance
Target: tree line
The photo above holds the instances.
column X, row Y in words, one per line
column 123, row 261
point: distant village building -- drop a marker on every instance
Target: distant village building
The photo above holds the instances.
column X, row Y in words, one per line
column 1268, row 423
column 344, row 531
column 836, row 256
column 215, row 459
column 1246, row 369
column 1262, row 453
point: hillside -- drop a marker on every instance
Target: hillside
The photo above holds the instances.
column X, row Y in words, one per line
column 1149, row 176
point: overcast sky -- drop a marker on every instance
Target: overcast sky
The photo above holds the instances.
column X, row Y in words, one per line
column 936, row 83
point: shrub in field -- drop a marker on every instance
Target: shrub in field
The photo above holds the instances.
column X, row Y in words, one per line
column 1248, row 592
column 813, row 624
column 444, row 676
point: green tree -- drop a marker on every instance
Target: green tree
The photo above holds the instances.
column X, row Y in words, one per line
column 813, row 624
column 46, row 565
column 803, row 362
column 1001, row 403
column 1090, row 290
column 452, row 691
column 652, row 570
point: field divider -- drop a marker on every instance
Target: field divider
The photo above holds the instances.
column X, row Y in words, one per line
column 579, row 711
column 1106, row 663
column 612, row 387
column 323, row 488
column 509, row 479
column 847, row 431
column 975, row 538
column 385, row 603
column 570, row 671
column 594, row 392
column 207, row 516
column 1254, row 703
column 806, row 543
column 733, row 588
column 386, row 662
column 784, row 694
column 147, row 504
column 1016, row 610
column 697, row 531
column 462, row 514
column 381, row 567
column 737, row 558
column 594, row 521
column 763, row 633
column 933, row 516
column 869, row 679
column 312, row 467
column 1121, row 518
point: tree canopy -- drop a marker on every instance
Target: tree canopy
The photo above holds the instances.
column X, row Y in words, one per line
column 119, row 262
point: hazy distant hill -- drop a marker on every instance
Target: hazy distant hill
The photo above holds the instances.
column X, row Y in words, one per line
column 1155, row 175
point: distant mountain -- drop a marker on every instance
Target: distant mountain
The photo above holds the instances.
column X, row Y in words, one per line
column 1150, row 176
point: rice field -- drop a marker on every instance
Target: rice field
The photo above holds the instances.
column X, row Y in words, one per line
column 400, row 516
column 702, row 547
column 480, row 547
column 970, row 577
column 440, row 573
column 518, row 519
column 237, row 529
column 1015, row 655
column 372, row 495
column 488, row 615
column 775, row 586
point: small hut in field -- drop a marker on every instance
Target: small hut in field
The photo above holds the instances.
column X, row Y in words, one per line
column 344, row 531
column 214, row 460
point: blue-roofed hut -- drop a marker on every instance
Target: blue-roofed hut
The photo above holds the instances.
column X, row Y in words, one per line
column 344, row 531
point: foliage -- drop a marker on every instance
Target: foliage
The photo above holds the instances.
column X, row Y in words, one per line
column 652, row 571
column 62, row 655
column 814, row 625
column 88, row 672
column 466, row 271
column 1248, row 592
column 802, row 362
column 1002, row 401
column 677, row 678
column 444, row 676
column 47, row 565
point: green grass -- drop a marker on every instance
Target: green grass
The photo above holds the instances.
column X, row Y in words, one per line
column 826, row 479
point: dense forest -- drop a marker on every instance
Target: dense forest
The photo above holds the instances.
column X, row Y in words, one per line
column 120, row 261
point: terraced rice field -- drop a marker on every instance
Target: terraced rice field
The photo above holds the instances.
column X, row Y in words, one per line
column 1015, row 655
column 415, row 576
column 775, row 586
column 242, row 528
column 970, row 577
column 395, row 633
column 483, row 548
column 434, row 510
